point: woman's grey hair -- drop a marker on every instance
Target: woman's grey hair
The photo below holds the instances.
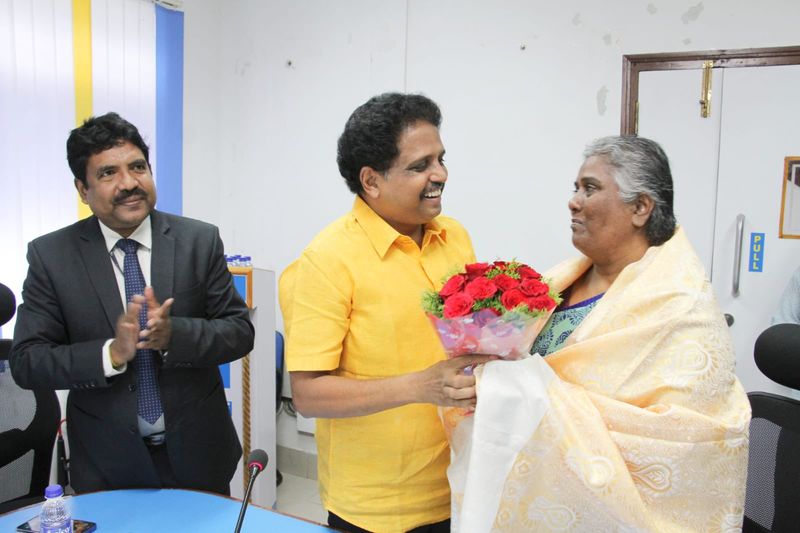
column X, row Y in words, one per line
column 640, row 168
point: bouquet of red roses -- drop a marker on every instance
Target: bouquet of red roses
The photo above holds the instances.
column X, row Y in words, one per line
column 491, row 308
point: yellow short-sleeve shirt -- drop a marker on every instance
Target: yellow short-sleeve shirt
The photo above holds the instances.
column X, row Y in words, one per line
column 352, row 305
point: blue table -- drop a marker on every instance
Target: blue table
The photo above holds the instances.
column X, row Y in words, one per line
column 153, row 510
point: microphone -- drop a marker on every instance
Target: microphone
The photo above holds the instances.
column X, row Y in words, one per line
column 8, row 304
column 777, row 354
column 256, row 462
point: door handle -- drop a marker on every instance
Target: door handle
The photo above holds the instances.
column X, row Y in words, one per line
column 737, row 254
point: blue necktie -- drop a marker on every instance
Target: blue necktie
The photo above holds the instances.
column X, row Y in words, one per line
column 148, row 395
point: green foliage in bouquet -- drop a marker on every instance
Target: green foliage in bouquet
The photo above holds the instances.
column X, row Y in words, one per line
column 502, row 287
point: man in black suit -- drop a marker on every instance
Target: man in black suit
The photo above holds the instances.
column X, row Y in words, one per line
column 133, row 310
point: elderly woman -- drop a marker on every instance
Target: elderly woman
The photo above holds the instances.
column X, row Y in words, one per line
column 634, row 419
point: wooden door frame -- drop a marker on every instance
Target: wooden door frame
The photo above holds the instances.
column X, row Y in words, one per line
column 633, row 64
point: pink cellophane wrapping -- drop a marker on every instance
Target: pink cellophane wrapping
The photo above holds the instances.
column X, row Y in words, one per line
column 483, row 332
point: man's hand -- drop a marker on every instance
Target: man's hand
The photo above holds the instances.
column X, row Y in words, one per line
column 123, row 347
column 159, row 326
column 324, row 395
column 446, row 384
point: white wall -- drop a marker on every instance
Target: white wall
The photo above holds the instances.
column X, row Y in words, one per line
column 523, row 85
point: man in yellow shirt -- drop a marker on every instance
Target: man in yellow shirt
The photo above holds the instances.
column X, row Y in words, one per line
column 362, row 356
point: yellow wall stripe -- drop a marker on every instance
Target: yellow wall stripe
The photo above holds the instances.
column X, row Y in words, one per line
column 82, row 61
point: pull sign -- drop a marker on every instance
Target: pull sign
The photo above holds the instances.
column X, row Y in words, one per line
column 756, row 261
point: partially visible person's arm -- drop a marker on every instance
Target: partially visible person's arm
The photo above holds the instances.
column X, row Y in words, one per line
column 789, row 305
column 322, row 395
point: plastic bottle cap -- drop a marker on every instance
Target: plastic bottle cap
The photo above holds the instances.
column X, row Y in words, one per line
column 53, row 491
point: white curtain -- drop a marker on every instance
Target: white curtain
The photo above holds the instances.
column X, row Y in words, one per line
column 124, row 63
column 37, row 111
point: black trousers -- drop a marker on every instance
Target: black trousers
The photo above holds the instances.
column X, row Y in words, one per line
column 164, row 469
column 338, row 522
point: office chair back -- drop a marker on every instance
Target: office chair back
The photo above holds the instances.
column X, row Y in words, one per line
column 773, row 501
column 28, row 425
column 777, row 354
column 8, row 304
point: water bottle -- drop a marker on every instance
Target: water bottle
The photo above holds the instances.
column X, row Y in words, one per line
column 55, row 516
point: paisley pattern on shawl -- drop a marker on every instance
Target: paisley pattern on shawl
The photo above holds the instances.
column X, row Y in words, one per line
column 643, row 425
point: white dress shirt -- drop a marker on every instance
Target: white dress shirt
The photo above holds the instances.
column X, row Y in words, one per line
column 144, row 236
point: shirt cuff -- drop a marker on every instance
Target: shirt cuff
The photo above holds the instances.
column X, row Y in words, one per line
column 108, row 366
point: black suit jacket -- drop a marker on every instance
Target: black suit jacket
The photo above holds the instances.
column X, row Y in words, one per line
column 71, row 303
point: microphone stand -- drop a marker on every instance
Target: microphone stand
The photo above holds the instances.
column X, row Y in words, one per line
column 254, row 470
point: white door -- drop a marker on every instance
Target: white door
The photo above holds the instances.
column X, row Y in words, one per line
column 670, row 115
column 753, row 127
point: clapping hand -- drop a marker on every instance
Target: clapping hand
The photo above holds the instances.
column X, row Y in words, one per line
column 123, row 347
column 159, row 326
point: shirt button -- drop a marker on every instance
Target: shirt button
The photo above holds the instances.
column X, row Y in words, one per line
column 132, row 430
column 131, row 387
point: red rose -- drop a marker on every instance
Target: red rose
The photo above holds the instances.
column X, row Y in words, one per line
column 480, row 288
column 511, row 299
column 541, row 303
column 458, row 305
column 533, row 287
column 476, row 270
column 526, row 272
column 505, row 282
column 452, row 286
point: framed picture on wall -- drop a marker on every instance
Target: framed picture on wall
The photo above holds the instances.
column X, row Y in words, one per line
column 790, row 200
